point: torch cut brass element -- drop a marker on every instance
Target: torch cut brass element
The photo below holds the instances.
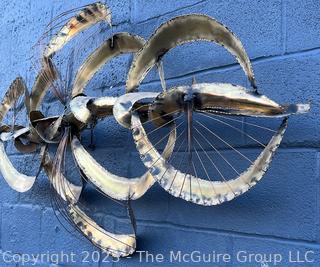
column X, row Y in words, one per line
column 135, row 111
column 15, row 179
column 203, row 192
column 87, row 17
column 116, row 245
column 181, row 30
column 42, row 83
column 117, row 187
column 118, row 44
column 220, row 98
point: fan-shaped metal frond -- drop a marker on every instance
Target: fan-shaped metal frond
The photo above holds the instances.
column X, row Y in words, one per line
column 182, row 134
column 87, row 17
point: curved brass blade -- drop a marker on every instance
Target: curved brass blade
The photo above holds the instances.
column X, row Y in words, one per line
column 66, row 190
column 232, row 99
column 86, row 18
column 182, row 30
column 204, row 192
column 118, row 44
column 47, row 75
column 19, row 133
column 16, row 89
column 115, row 186
column 25, row 148
column 15, row 179
column 222, row 98
column 117, row 245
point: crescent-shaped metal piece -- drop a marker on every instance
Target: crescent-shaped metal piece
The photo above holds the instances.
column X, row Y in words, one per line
column 52, row 131
column 90, row 15
column 204, row 192
column 87, row 17
column 118, row 44
column 222, row 98
column 65, row 189
column 16, row 89
column 47, row 75
column 115, row 186
column 16, row 180
column 180, row 30
column 117, row 245
column 233, row 99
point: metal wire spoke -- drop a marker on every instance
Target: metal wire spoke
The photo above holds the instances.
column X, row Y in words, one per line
column 232, row 127
column 215, row 166
column 225, row 142
column 239, row 121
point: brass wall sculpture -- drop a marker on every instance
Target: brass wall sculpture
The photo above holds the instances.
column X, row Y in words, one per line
column 133, row 110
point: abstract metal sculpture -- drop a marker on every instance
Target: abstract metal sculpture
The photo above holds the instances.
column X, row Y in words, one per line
column 133, row 110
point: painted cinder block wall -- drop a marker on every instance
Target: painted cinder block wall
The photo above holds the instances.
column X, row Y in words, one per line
column 281, row 214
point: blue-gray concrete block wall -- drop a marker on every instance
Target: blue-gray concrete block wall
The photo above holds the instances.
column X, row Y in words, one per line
column 279, row 216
